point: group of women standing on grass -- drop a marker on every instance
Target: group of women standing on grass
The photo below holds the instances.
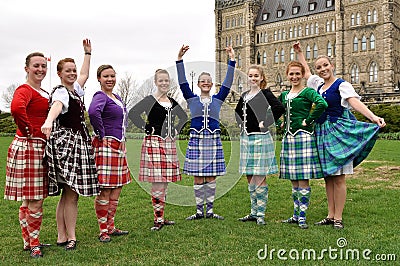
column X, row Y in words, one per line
column 321, row 139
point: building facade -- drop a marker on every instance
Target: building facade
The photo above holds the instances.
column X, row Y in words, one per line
column 361, row 36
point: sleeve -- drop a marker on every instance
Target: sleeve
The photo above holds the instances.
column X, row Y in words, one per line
column 314, row 82
column 226, row 85
column 347, row 91
column 320, row 106
column 135, row 114
column 62, row 96
column 239, row 112
column 79, row 89
column 182, row 116
column 22, row 97
column 95, row 111
column 276, row 106
column 183, row 84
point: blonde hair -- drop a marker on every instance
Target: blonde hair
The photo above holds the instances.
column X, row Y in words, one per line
column 160, row 71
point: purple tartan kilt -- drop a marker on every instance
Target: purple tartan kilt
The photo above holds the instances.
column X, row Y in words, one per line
column 71, row 162
column 299, row 157
column 26, row 175
column 159, row 161
column 204, row 154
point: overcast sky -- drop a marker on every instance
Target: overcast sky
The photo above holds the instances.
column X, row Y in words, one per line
column 136, row 37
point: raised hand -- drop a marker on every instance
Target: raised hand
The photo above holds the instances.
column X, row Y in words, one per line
column 229, row 50
column 182, row 51
column 87, row 46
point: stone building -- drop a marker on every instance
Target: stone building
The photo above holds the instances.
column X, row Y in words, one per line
column 362, row 37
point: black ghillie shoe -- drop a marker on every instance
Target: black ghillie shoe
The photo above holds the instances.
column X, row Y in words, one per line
column 290, row 220
column 248, row 218
column 195, row 217
column 118, row 232
column 71, row 245
column 36, row 252
column 325, row 221
column 338, row 224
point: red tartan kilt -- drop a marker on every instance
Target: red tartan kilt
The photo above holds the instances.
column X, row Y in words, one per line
column 111, row 164
column 159, row 161
column 26, row 175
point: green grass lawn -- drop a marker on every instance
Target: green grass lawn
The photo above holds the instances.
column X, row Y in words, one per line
column 370, row 218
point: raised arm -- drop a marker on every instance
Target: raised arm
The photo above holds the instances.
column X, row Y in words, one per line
column 302, row 59
column 84, row 74
column 180, row 68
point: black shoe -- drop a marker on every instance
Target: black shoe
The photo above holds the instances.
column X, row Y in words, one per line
column 118, row 232
column 338, row 224
column 325, row 221
column 36, row 252
column 214, row 216
column 71, row 245
column 167, row 222
column 291, row 220
column 157, row 226
column 248, row 218
column 195, row 217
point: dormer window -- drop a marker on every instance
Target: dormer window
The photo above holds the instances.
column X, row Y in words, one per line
column 280, row 11
column 329, row 3
column 295, row 7
column 312, row 5
column 265, row 16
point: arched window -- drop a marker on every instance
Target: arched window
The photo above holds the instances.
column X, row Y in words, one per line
column 315, row 51
column 290, row 32
column 265, row 37
column 239, row 60
column 294, row 32
column 306, row 30
column 226, row 41
column 299, row 31
column 373, row 72
column 279, row 34
column 308, row 52
column 374, row 16
column 355, row 72
column 355, row 44
column 328, row 26
column 369, row 16
column 258, row 38
column 329, row 49
column 241, row 39
column 228, row 23
column 291, row 54
column 312, row 28
column 283, row 34
column 358, row 18
column 372, row 42
column 283, row 56
column 275, row 35
column 333, row 25
column 264, row 58
column 237, row 40
column 352, row 20
column 363, row 43
column 316, row 28
column 276, row 56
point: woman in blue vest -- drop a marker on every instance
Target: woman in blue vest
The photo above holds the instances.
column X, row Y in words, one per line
column 342, row 141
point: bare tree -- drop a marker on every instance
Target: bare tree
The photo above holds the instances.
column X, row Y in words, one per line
column 126, row 89
column 8, row 94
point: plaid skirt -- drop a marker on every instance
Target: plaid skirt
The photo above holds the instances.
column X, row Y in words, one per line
column 111, row 164
column 204, row 154
column 70, row 159
column 344, row 141
column 299, row 157
column 26, row 175
column 159, row 161
column 257, row 154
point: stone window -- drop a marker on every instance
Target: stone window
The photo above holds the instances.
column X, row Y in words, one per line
column 258, row 58
column 264, row 58
column 374, row 16
column 308, row 52
column 355, row 72
column 307, row 30
column 329, row 49
column 315, row 51
column 275, row 35
column 295, row 32
column 283, row 56
column 328, row 26
column 276, row 56
column 291, row 54
column 228, row 23
column 358, row 19
column 355, row 44
column 363, row 43
column 373, row 72
column 290, row 32
column 372, row 42
column 239, row 60
column 352, row 20
column 333, row 25
column 316, row 28
column 369, row 16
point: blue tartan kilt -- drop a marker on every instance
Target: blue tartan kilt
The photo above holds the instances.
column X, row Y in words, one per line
column 204, row 154
column 344, row 141
column 257, row 154
column 299, row 157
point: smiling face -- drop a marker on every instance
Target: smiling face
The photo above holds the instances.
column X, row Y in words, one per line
column 66, row 70
column 162, row 82
column 205, row 83
column 36, row 69
column 295, row 75
column 324, row 68
column 254, row 78
column 107, row 79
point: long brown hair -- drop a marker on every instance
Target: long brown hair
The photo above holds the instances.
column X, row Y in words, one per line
column 263, row 83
